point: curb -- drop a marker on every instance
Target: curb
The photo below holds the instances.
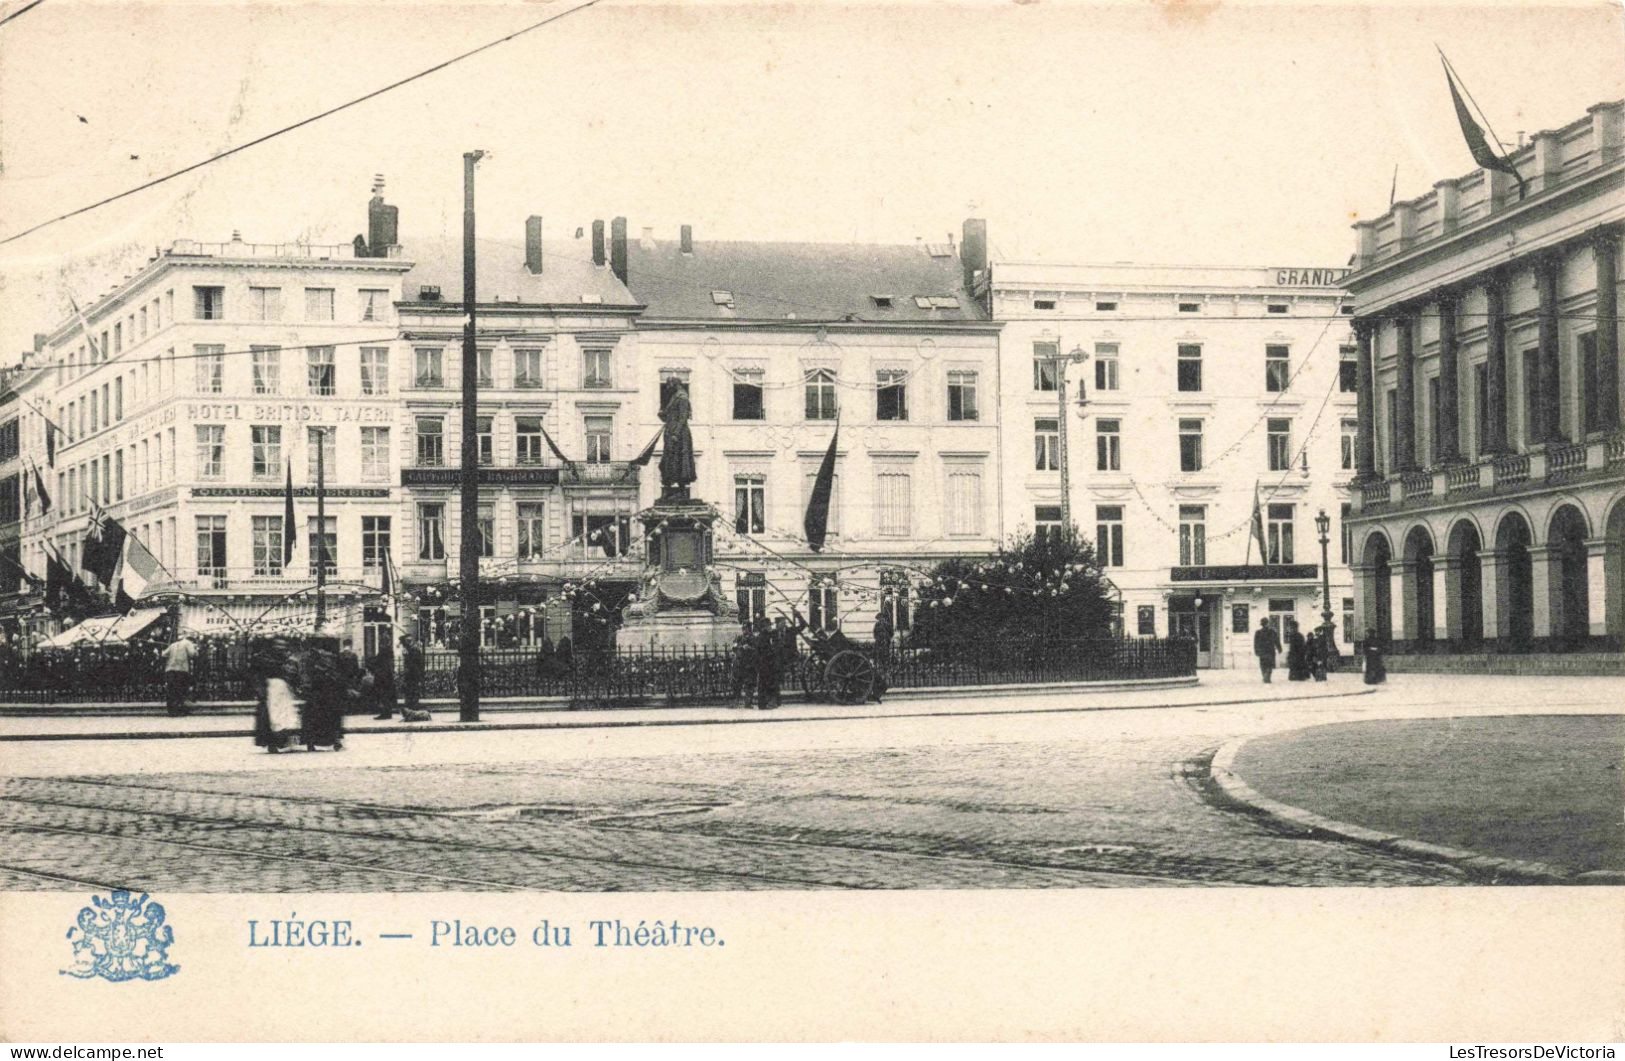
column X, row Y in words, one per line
column 746, row 717
column 1223, row 774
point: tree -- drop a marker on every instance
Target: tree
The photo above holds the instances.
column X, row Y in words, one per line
column 1037, row 587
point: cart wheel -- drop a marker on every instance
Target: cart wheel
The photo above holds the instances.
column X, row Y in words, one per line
column 851, row 677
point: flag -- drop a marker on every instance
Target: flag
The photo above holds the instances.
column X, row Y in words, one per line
column 566, row 461
column 1473, row 133
column 288, row 535
column 50, row 443
column 816, row 522
column 140, row 569
column 1258, row 527
column 648, row 451
column 40, row 491
column 58, row 579
column 104, row 546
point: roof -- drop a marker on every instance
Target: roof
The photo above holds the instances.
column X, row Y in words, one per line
column 724, row 280
column 567, row 275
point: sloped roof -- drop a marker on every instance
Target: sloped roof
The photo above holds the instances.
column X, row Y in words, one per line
column 567, row 273
column 724, row 280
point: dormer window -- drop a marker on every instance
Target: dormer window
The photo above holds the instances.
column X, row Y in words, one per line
column 881, row 301
column 722, row 298
column 429, row 293
column 936, row 301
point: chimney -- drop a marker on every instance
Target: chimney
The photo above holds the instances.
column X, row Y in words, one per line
column 617, row 248
column 533, row 244
column 598, row 243
column 686, row 240
column 39, row 342
column 973, row 251
column 382, row 222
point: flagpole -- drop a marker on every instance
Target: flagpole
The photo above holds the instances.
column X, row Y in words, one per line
column 321, row 533
column 1506, row 155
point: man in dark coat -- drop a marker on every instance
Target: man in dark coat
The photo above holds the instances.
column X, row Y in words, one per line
column 411, row 674
column 769, row 665
column 883, row 635
column 1376, row 671
column 1297, row 653
column 382, row 667
column 788, row 646
column 745, row 664
column 1266, row 643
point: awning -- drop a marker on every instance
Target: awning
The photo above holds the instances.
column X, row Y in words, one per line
column 102, row 629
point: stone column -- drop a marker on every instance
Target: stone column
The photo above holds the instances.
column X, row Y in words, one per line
column 1405, row 399
column 1547, row 387
column 1365, row 449
column 1493, row 429
column 1365, row 599
column 1449, row 436
column 1545, row 580
column 1597, row 586
column 1403, row 598
column 1448, row 624
column 1492, row 590
column 1605, row 248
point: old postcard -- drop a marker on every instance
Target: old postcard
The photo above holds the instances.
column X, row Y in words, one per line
column 605, row 519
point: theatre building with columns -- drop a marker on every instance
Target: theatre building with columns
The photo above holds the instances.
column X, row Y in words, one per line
column 1489, row 509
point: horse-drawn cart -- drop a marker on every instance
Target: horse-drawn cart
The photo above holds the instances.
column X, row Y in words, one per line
column 837, row 669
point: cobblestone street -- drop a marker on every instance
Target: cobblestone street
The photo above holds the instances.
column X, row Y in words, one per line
column 1009, row 800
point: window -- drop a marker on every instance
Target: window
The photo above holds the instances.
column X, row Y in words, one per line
column 964, row 517
column 210, row 364
column 1392, row 405
column 722, row 298
column 211, row 451
column 600, row 448
column 143, row 322
column 1192, row 535
column 1106, row 366
column 374, row 303
column 118, row 399
column 1531, row 390
column 1282, row 611
column 1345, row 545
column 484, row 442
column 95, row 414
column 1190, row 366
column 322, row 441
column 1190, row 445
column 374, row 370
column 375, row 541
column 1347, row 441
column 1046, row 367
column 211, row 547
column 1047, row 445
column 1591, row 383
column 1145, row 618
column 894, row 502
column 208, row 304
column 750, row 593
column 881, row 301
column 267, row 369
column 595, row 366
column 267, row 545
column 891, row 395
column 1043, row 303
column 321, row 370
column 824, row 603
column 485, row 530
column 265, row 303
column 1481, row 407
column 528, row 445
column 375, row 453
column 604, row 534
column 1046, row 520
column 1348, row 369
column 750, row 504
column 532, row 530
column 1277, row 368
column 118, row 475
column 1190, row 307
column 527, row 367
column 323, row 536
column 267, row 451
column 1108, row 446
column 1105, row 307
column 431, row 442
column 484, row 374
column 1278, row 534
column 1241, row 618
column 962, row 395
column 1109, row 535
column 318, row 303
column 748, row 394
column 1278, row 441
column 431, row 530
column 820, row 394
column 1435, row 439
column 429, row 368
column 1276, row 308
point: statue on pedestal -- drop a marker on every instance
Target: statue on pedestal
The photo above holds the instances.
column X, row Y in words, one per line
column 677, row 457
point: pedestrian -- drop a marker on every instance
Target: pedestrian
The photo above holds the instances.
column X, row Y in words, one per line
column 769, row 665
column 1376, row 671
column 382, row 667
column 324, row 695
column 1317, row 654
column 544, row 659
column 788, row 647
column 1297, row 653
column 883, row 634
column 178, row 661
column 411, row 677
column 276, row 715
column 1265, row 645
column 350, row 672
column 564, row 657
column 744, row 666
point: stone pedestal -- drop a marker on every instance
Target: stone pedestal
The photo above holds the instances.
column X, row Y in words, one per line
column 679, row 604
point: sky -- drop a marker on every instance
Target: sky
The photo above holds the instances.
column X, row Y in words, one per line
column 1164, row 131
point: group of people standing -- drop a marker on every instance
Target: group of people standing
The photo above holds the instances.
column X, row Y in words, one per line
column 1306, row 656
column 762, row 654
column 331, row 682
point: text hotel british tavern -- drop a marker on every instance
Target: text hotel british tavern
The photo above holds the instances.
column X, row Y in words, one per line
column 1490, row 514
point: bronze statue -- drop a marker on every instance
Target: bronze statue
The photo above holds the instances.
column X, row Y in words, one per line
column 677, row 457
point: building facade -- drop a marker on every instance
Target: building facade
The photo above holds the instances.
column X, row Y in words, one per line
column 1207, row 390
column 1491, row 505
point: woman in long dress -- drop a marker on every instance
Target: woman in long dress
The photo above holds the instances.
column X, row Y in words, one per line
column 1297, row 654
column 276, row 722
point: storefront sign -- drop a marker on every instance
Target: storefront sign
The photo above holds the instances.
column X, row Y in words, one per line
column 301, row 412
column 1310, row 277
column 1244, row 573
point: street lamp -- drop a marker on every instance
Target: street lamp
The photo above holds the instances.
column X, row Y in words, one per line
column 1323, row 524
column 1061, row 362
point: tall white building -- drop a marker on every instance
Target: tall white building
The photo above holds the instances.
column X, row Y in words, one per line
column 1207, row 387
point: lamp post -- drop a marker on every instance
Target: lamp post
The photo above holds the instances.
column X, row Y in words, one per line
column 1323, row 524
column 1061, row 362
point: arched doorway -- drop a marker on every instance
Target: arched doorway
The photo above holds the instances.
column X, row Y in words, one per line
column 1467, row 595
column 1419, row 583
column 1515, row 589
column 1380, row 612
column 1571, row 595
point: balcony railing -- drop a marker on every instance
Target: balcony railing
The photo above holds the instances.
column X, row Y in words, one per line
column 1614, row 450
column 1374, row 493
column 1461, row 478
column 1512, row 470
column 600, row 474
column 1416, row 484
column 1564, row 461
